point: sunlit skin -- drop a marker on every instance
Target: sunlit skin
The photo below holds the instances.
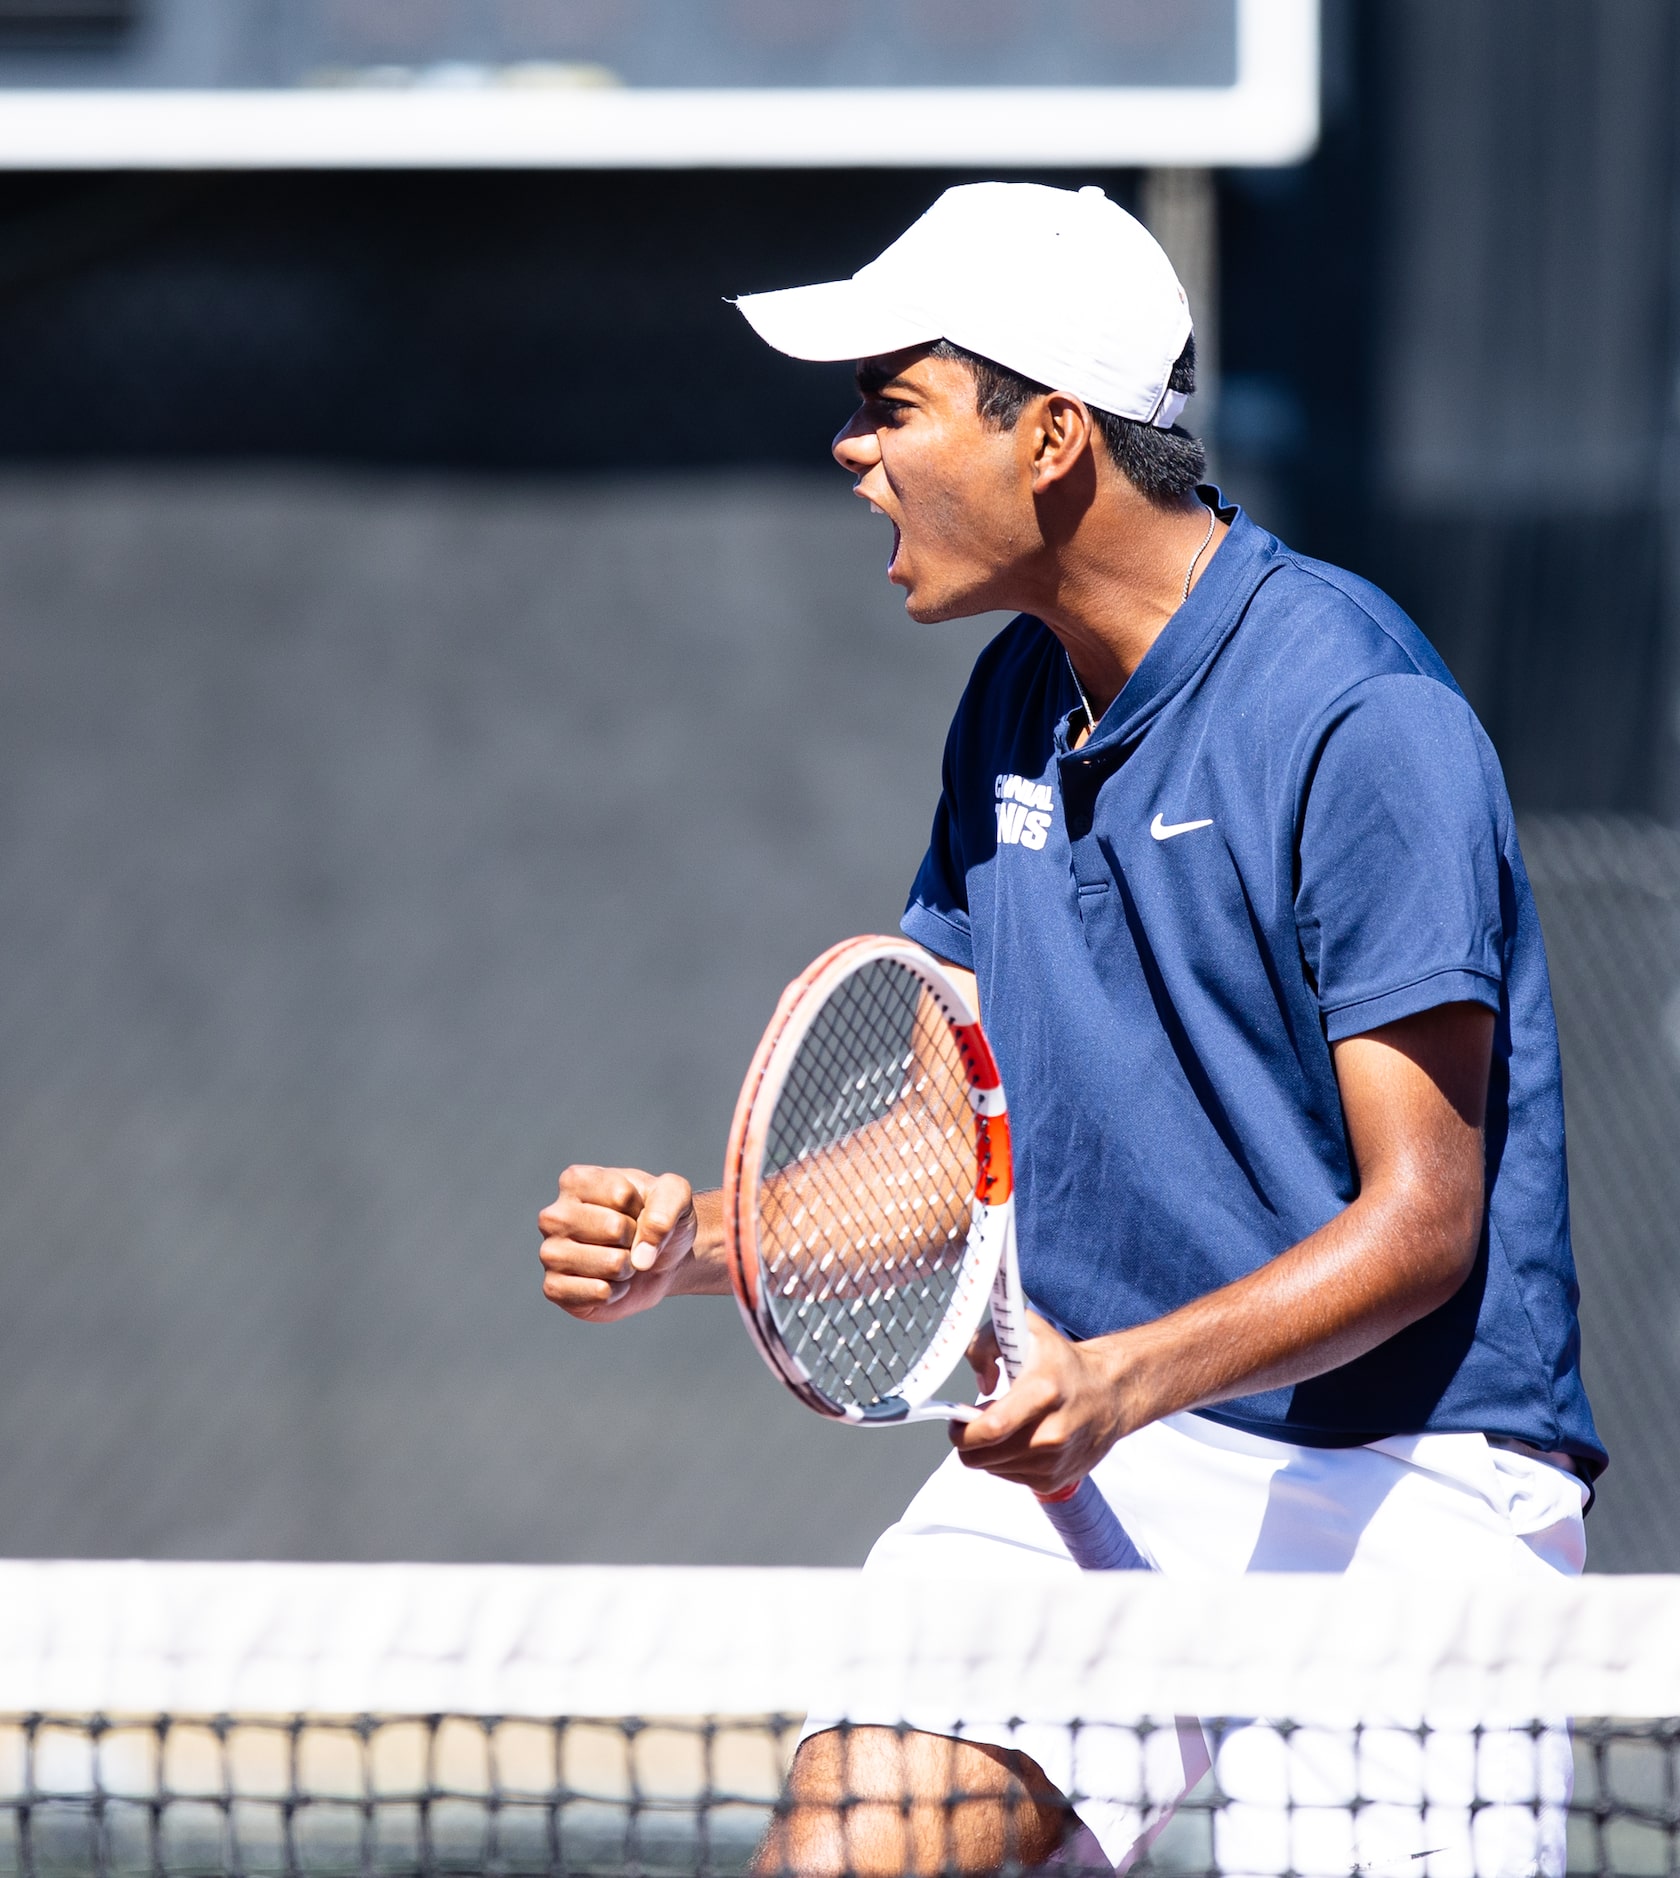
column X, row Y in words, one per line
column 1037, row 519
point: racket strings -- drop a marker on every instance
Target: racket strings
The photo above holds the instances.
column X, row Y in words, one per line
column 867, row 1185
column 861, row 1319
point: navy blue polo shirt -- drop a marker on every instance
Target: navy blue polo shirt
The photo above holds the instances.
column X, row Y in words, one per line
column 1288, row 829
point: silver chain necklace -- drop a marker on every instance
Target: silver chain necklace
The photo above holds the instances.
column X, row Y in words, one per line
column 1190, row 571
column 1085, row 702
column 1189, row 575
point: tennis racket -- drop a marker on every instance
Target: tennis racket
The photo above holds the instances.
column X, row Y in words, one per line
column 868, row 1204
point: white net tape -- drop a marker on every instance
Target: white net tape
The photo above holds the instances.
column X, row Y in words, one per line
column 596, row 1640
column 161, row 1717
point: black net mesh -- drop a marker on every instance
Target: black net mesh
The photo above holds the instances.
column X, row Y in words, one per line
column 384, row 1794
column 867, row 1185
column 162, row 1795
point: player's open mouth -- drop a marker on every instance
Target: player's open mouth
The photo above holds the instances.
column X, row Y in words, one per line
column 898, row 536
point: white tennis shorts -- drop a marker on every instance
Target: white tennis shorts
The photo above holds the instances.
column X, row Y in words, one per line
column 1206, row 1502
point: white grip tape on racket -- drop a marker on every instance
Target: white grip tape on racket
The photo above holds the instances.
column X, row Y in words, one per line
column 1088, row 1525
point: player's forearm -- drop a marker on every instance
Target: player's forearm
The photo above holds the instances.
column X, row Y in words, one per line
column 1389, row 1259
column 704, row 1273
column 871, row 1161
column 1413, row 1099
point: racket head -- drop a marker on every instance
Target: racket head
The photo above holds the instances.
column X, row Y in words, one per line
column 867, row 1181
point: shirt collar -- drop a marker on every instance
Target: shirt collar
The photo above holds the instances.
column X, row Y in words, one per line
column 1239, row 564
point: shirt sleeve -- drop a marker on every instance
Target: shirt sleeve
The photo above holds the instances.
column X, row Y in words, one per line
column 1398, row 904
column 937, row 913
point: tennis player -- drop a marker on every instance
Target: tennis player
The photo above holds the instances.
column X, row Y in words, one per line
column 1234, row 869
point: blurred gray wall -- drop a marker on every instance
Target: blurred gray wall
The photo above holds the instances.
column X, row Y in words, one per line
column 370, row 849
column 373, row 846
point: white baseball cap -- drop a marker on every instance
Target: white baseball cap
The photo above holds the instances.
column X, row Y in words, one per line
column 1060, row 285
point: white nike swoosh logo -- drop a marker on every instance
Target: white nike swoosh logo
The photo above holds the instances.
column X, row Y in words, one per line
column 1164, row 831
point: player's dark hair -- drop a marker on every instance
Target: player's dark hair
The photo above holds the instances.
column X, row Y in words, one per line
column 1164, row 465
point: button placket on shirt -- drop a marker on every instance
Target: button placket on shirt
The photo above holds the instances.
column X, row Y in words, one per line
column 1081, row 778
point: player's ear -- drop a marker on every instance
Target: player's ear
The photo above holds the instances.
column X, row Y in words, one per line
column 1062, row 437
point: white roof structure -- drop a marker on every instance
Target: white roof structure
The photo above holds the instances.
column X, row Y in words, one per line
column 457, row 115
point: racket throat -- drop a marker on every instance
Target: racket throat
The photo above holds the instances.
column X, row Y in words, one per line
column 893, row 1410
column 1009, row 1308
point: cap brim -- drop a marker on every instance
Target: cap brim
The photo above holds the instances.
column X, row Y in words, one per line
column 837, row 319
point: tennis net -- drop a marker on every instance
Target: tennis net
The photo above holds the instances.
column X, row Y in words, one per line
column 254, row 1719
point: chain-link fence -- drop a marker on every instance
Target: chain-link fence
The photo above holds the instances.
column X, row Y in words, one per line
column 1609, row 897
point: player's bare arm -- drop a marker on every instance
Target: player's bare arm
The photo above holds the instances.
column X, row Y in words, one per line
column 617, row 1240
column 1413, row 1095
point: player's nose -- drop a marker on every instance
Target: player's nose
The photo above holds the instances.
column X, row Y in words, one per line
column 857, row 448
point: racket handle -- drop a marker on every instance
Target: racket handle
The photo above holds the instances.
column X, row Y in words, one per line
column 1095, row 1539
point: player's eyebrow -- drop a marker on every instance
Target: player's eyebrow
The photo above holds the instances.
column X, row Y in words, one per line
column 873, row 377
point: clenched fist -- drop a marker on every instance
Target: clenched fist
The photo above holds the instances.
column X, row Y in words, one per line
column 618, row 1240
